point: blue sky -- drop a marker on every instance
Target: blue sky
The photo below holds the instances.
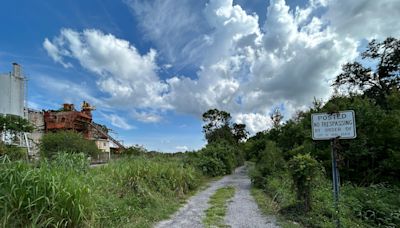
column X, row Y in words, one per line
column 152, row 67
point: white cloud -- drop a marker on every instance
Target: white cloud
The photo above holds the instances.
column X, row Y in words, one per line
column 242, row 67
column 182, row 148
column 54, row 53
column 71, row 92
column 175, row 27
column 118, row 121
column 254, row 122
column 146, row 117
column 123, row 73
column 364, row 19
column 247, row 72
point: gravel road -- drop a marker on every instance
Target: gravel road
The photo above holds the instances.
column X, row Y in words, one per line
column 242, row 209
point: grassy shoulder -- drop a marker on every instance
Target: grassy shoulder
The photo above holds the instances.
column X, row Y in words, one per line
column 358, row 206
column 218, row 206
column 269, row 207
column 137, row 192
column 130, row 192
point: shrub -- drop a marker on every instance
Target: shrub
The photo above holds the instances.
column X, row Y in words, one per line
column 270, row 161
column 303, row 169
column 14, row 153
column 135, row 150
column 66, row 141
column 217, row 159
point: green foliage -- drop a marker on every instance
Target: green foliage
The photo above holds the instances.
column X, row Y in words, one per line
column 217, row 126
column 65, row 193
column 15, row 124
column 214, row 119
column 239, row 132
column 270, row 161
column 303, row 169
column 376, row 205
column 13, row 153
column 218, row 206
column 379, row 82
column 369, row 158
column 135, row 150
column 71, row 162
column 368, row 163
column 43, row 197
column 66, row 141
column 141, row 190
column 216, row 159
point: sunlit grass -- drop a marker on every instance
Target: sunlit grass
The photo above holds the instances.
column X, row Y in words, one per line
column 218, row 206
column 130, row 192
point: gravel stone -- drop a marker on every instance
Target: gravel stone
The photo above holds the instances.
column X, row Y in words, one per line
column 242, row 209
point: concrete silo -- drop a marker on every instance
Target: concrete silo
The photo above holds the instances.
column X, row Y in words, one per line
column 12, row 102
column 12, row 92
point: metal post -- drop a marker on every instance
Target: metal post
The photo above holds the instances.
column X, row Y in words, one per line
column 335, row 178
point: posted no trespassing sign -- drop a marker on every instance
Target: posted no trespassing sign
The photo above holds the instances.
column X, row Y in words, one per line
column 328, row 126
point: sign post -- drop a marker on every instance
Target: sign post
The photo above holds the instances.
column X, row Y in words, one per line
column 334, row 126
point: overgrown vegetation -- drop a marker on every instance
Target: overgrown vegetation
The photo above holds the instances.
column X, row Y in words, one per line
column 64, row 192
column 215, row 214
column 66, row 141
column 223, row 153
column 296, row 171
column 14, row 153
column 45, row 196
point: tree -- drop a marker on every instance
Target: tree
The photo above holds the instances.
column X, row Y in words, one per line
column 239, row 132
column 376, row 83
column 217, row 125
column 15, row 124
column 276, row 118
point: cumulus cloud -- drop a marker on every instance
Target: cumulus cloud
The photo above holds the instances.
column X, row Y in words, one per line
column 128, row 77
column 254, row 122
column 242, row 67
column 364, row 19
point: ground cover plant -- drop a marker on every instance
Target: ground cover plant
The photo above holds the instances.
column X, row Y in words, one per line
column 218, row 207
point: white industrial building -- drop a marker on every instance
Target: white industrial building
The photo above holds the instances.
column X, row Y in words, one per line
column 12, row 102
column 12, row 92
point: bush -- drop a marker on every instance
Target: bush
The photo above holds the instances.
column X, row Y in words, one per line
column 13, row 153
column 135, row 150
column 303, row 169
column 217, row 159
column 66, row 141
column 376, row 205
column 270, row 161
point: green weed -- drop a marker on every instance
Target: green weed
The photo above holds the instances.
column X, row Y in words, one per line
column 218, row 205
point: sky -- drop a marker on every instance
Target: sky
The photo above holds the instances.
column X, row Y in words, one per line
column 151, row 68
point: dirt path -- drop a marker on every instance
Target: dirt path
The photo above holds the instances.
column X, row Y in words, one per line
column 242, row 210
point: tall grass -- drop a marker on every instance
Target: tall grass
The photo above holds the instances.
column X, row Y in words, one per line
column 133, row 192
column 140, row 191
column 44, row 196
